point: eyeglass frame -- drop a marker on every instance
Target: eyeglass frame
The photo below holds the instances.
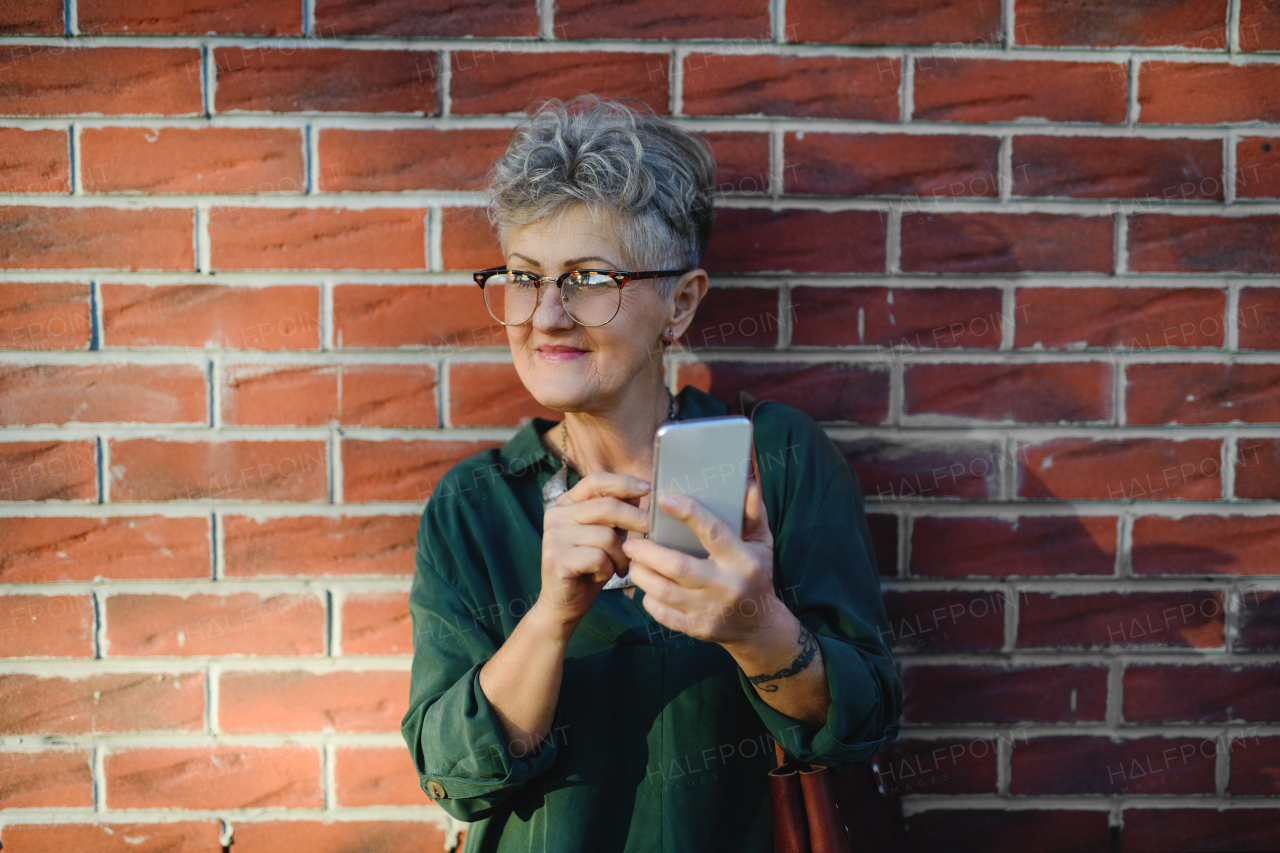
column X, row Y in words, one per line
column 620, row 277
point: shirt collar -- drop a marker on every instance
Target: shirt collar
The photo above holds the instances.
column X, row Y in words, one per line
column 525, row 450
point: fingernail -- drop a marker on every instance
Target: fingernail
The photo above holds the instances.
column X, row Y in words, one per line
column 644, row 484
column 668, row 500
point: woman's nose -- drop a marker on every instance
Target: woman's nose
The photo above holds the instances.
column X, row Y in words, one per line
column 550, row 313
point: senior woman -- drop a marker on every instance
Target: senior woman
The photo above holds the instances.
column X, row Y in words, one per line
column 576, row 687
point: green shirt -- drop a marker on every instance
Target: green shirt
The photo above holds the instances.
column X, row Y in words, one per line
column 659, row 742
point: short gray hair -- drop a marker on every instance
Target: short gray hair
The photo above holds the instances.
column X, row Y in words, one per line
column 654, row 178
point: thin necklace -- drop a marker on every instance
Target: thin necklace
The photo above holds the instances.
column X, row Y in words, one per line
column 559, row 482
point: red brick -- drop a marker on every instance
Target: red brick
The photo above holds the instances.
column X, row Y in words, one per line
column 795, row 86
column 310, row 545
column 1207, row 93
column 1098, row 765
column 916, row 468
column 483, row 394
column 407, row 159
column 146, row 469
column 1066, row 392
column 243, row 623
column 430, row 19
column 1117, row 167
column 282, row 317
column 193, row 17
column 468, row 242
column 48, row 470
column 50, row 778
column 264, row 238
column 1206, row 545
column 735, row 317
column 33, row 17
column 1258, row 167
column 1181, row 23
column 1257, row 466
column 1246, row 244
column 985, row 90
column 1201, row 393
column 976, row 694
column 396, row 470
column 1134, row 620
column 1259, row 318
column 96, row 238
column 188, row 160
column 34, row 161
column 797, row 241
column 46, row 626
column 981, row 830
column 184, row 837
column 499, row 80
column 1006, row 242
column 891, row 22
column 910, row 317
column 1029, row 546
column 1123, row 318
column 312, row 702
column 1253, row 766
column 1235, row 830
column 742, row 160
column 44, row 315
column 376, row 623
column 1120, row 469
column 665, row 19
column 102, row 393
column 389, row 395
column 419, row 315
column 940, row 767
column 1259, row 620
column 48, row 80
column 1198, row 694
column 1259, row 27
column 102, row 703
column 218, row 777
column 142, row 547
column 891, row 164
column 933, row 621
column 313, row 836
column 376, row 776
column 288, row 79
column 831, row 391
column 884, row 539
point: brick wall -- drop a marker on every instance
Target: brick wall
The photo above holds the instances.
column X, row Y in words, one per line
column 1019, row 257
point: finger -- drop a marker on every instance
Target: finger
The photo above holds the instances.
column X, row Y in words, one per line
column 676, row 566
column 604, row 540
column 610, row 512
column 755, row 518
column 659, row 586
column 713, row 533
column 602, row 484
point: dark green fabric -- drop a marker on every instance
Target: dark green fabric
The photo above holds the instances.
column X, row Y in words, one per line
column 659, row 742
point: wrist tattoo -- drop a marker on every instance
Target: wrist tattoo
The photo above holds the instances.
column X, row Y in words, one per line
column 808, row 646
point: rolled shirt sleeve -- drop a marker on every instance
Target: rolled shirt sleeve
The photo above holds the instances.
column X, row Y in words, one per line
column 828, row 578
column 451, row 729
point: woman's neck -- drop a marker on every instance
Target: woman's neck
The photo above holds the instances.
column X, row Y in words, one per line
column 620, row 439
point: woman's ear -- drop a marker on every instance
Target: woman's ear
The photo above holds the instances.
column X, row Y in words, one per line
column 686, row 296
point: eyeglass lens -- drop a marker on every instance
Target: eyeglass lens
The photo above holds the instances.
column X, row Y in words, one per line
column 589, row 298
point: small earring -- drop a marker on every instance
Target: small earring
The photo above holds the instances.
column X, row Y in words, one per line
column 673, row 335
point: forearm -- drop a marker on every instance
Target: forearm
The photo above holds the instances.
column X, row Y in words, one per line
column 785, row 665
column 522, row 681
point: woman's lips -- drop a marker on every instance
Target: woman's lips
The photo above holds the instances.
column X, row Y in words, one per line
column 560, row 353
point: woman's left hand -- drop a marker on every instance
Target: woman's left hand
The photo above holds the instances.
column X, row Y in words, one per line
column 723, row 597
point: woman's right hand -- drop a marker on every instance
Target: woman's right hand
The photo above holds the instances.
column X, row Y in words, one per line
column 582, row 535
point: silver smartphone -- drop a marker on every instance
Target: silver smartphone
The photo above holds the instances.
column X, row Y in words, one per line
column 708, row 459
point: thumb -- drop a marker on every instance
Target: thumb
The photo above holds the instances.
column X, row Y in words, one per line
column 755, row 519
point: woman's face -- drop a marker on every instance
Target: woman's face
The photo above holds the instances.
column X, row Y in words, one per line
column 569, row 367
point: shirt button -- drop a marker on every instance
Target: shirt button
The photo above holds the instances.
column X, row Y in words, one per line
column 435, row 790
